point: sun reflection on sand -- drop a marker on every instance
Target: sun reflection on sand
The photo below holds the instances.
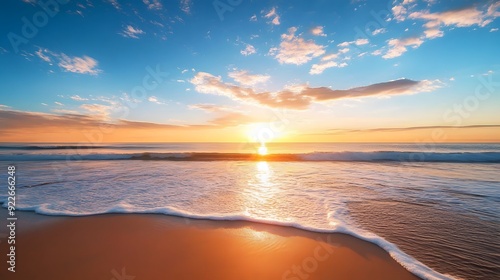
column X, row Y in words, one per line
column 256, row 235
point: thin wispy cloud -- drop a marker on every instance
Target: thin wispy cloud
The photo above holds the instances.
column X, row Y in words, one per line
column 358, row 42
column 273, row 16
column 131, row 32
column 78, row 98
column 97, row 109
column 186, row 6
column 224, row 116
column 156, row 100
column 44, row 57
column 74, row 64
column 398, row 129
column 115, row 4
column 56, row 122
column 68, row 121
column 153, row 4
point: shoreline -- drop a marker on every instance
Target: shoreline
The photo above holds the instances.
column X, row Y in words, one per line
column 158, row 246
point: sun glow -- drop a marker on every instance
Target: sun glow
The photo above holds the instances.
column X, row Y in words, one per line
column 262, row 150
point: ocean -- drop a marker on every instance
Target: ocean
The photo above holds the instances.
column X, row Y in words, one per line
column 434, row 207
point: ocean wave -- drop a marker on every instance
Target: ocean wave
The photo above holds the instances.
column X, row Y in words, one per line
column 54, row 147
column 67, row 147
column 378, row 156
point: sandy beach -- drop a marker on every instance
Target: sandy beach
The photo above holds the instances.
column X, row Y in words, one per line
column 148, row 246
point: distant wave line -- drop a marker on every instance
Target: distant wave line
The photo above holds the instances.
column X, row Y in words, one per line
column 377, row 156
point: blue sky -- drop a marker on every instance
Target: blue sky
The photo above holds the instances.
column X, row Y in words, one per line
column 225, row 67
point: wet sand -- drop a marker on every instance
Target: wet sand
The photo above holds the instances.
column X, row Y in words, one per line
column 150, row 246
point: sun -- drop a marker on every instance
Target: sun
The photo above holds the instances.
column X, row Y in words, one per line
column 262, row 150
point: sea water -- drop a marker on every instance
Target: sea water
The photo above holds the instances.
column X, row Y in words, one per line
column 434, row 207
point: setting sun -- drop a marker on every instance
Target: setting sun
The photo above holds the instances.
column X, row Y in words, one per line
column 262, row 150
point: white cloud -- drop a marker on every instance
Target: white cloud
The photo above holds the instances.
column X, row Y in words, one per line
column 406, row 2
column 82, row 65
column 131, row 32
column 318, row 31
column 209, row 84
column 329, row 57
column 433, row 33
column 253, row 18
column 344, row 50
column 465, row 17
column 399, row 46
column 244, row 78
column 155, row 100
column 58, row 103
column 399, row 12
column 153, row 4
column 344, row 44
column 296, row 50
column 360, row 42
column 494, row 30
column 320, row 67
column 274, row 15
column 78, row 98
column 249, row 49
column 379, row 31
column 460, row 18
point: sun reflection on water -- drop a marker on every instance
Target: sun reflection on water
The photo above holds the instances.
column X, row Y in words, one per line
column 260, row 193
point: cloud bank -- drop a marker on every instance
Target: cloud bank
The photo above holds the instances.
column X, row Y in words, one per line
column 209, row 84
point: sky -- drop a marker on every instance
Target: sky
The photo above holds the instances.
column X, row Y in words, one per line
column 95, row 71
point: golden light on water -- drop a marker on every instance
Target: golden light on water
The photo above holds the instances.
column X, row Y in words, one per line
column 263, row 167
